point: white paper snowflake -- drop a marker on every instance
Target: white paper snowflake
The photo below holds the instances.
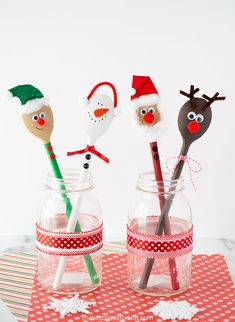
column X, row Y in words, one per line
column 172, row 310
column 68, row 305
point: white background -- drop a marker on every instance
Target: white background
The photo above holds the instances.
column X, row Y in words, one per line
column 66, row 47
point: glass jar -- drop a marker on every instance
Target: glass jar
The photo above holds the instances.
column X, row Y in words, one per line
column 69, row 234
column 159, row 237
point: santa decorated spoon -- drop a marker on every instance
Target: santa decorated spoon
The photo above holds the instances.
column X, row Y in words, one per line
column 149, row 119
column 38, row 119
column 98, row 114
column 193, row 121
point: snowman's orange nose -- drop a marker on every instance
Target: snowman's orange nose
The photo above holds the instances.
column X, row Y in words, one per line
column 100, row 111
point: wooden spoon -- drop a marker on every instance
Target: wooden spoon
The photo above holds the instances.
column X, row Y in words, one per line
column 193, row 121
column 38, row 118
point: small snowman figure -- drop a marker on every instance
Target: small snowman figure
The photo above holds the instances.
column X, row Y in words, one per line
column 98, row 113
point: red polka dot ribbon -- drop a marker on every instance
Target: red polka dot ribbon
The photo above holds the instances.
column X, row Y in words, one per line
column 159, row 246
column 69, row 243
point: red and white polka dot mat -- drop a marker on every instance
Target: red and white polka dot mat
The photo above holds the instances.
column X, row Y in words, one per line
column 212, row 289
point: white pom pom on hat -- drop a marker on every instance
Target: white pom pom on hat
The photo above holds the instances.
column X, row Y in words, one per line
column 133, row 91
column 6, row 96
column 83, row 101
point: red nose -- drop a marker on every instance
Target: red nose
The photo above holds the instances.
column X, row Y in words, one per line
column 148, row 118
column 193, row 127
column 41, row 121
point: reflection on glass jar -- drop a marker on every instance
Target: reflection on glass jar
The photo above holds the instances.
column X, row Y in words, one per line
column 159, row 264
column 70, row 260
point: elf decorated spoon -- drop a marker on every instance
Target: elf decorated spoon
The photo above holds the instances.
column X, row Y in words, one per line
column 148, row 117
column 98, row 114
column 38, row 119
column 193, row 121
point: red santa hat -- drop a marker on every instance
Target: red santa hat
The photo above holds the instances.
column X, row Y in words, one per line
column 144, row 92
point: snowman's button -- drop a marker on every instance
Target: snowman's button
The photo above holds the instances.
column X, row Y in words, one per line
column 154, row 148
column 156, row 156
column 85, row 165
column 49, row 148
column 88, row 156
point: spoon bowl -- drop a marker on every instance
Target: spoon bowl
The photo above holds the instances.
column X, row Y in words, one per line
column 194, row 119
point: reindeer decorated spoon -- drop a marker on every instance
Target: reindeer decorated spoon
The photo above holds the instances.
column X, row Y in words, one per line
column 193, row 121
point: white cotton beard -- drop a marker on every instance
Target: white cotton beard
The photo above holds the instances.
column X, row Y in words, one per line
column 151, row 132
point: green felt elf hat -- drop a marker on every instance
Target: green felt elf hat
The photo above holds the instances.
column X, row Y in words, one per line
column 30, row 97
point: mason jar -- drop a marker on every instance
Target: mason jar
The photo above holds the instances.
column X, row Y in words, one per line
column 159, row 237
column 69, row 234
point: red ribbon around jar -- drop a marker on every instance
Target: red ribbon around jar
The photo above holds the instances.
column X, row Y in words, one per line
column 159, row 246
column 69, row 243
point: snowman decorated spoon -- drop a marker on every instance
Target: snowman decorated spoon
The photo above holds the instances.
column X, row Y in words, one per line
column 98, row 114
column 193, row 121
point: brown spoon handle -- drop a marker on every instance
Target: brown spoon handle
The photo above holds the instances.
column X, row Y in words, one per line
column 164, row 216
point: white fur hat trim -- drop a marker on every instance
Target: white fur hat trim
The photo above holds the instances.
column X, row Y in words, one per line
column 144, row 100
column 34, row 105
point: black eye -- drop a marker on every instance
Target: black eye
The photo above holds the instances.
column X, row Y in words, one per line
column 35, row 117
column 143, row 111
column 151, row 110
column 42, row 115
column 199, row 118
column 191, row 116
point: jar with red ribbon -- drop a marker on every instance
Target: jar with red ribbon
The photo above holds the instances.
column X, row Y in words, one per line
column 69, row 234
column 159, row 237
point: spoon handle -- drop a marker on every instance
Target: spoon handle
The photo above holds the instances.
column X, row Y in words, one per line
column 163, row 220
column 58, row 175
column 167, row 227
column 180, row 164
